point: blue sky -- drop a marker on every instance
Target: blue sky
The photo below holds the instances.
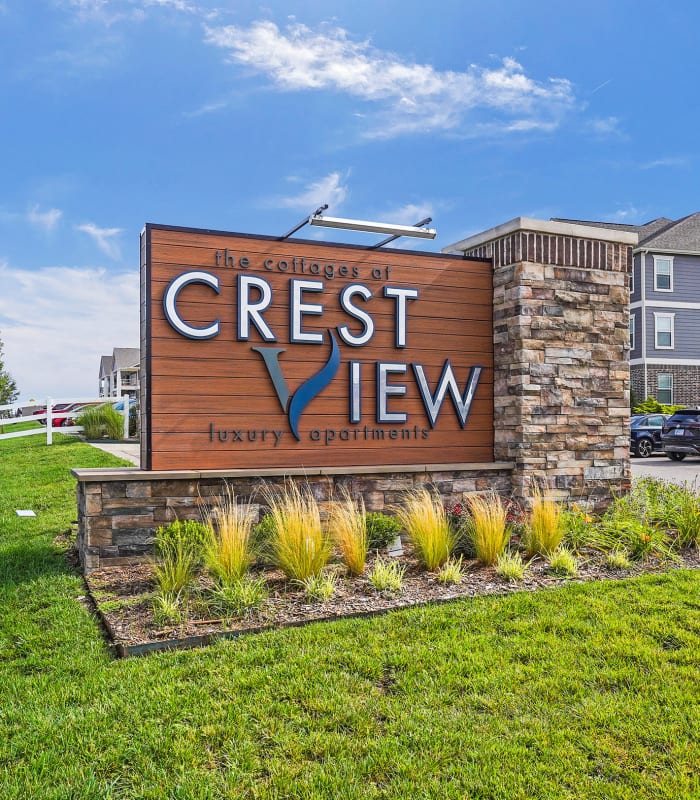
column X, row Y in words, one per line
column 245, row 117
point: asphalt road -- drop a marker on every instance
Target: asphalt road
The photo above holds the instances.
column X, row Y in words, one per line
column 680, row 472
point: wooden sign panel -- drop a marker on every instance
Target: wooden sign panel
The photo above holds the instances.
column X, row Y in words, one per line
column 260, row 353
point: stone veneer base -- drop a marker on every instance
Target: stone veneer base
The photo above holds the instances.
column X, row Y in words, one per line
column 121, row 509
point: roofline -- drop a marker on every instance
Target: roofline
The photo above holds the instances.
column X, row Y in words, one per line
column 543, row 226
column 643, row 248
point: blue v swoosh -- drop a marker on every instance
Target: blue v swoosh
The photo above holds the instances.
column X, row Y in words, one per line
column 313, row 387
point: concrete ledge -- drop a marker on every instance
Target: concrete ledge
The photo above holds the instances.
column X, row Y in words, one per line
column 100, row 474
column 542, row 226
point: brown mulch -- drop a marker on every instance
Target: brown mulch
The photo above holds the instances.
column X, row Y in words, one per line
column 123, row 598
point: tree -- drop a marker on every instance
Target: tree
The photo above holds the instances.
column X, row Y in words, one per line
column 8, row 387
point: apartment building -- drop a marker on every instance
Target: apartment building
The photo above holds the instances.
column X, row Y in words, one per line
column 119, row 373
column 664, row 315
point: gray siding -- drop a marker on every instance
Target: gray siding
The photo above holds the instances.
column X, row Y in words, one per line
column 686, row 280
column 686, row 334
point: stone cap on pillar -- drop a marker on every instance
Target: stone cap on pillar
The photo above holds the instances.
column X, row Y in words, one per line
column 550, row 242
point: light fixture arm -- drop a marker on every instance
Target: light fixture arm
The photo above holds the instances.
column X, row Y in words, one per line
column 305, row 221
column 394, row 236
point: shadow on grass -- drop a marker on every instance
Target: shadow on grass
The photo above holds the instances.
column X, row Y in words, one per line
column 28, row 560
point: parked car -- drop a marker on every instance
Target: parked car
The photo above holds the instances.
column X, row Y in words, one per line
column 680, row 436
column 645, row 433
column 56, row 421
column 76, row 410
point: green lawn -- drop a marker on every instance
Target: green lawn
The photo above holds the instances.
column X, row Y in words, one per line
column 591, row 691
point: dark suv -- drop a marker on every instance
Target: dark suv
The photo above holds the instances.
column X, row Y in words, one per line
column 645, row 433
column 681, row 434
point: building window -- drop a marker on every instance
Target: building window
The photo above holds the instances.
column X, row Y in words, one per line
column 663, row 331
column 663, row 273
column 631, row 331
column 632, row 280
column 664, row 389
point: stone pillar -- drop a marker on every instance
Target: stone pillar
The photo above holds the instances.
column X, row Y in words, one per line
column 561, row 355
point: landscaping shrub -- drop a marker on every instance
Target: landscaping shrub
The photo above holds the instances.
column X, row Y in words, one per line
column 299, row 546
column 423, row 516
column 382, row 530
column 458, row 519
column 347, row 523
column 486, row 526
column 652, row 406
column 183, row 532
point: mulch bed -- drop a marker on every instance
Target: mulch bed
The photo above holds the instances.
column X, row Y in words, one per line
column 122, row 597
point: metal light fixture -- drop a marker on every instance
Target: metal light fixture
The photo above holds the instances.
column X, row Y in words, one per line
column 372, row 227
column 395, row 231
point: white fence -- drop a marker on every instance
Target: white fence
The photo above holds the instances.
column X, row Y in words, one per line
column 8, row 416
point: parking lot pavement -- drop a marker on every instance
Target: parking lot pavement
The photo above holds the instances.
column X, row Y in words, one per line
column 680, row 472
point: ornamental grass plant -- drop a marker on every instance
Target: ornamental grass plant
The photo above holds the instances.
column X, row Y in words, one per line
column 685, row 519
column 229, row 549
column 563, row 562
column 545, row 528
column 238, row 598
column 299, row 546
column 101, row 421
column 423, row 515
column 510, row 565
column 319, row 588
column 451, row 572
column 347, row 524
column 174, row 572
column 486, row 526
column 387, row 576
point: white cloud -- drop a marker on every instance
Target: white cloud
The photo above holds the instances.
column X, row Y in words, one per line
column 103, row 238
column 665, row 162
column 56, row 323
column 207, row 108
column 408, row 214
column 329, row 189
column 46, row 220
column 109, row 12
column 178, row 5
column 418, row 97
column 629, row 215
column 608, row 126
